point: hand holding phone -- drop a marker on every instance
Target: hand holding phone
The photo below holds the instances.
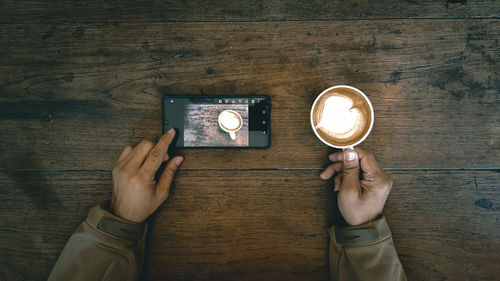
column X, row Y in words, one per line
column 136, row 195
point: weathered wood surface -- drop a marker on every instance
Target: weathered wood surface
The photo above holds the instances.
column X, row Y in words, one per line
column 73, row 95
column 12, row 11
column 81, row 79
column 258, row 225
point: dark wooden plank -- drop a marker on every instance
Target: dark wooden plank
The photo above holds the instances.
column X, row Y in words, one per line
column 12, row 11
column 450, row 9
column 258, row 225
column 72, row 97
column 151, row 10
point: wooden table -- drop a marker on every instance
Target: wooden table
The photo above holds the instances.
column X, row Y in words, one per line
column 79, row 80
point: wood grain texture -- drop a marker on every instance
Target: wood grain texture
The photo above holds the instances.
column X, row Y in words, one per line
column 12, row 11
column 40, row 210
column 450, row 9
column 73, row 95
column 258, row 225
column 81, row 79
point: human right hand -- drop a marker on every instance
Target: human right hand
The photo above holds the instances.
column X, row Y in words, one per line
column 360, row 199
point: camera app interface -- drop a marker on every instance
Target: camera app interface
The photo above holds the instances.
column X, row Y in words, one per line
column 212, row 122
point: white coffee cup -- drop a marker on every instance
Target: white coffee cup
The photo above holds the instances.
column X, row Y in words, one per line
column 360, row 139
column 230, row 122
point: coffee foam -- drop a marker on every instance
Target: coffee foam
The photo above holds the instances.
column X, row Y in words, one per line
column 342, row 117
column 230, row 121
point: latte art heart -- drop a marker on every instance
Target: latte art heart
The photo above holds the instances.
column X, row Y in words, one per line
column 339, row 118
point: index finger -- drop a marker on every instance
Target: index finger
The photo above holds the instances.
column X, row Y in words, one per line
column 157, row 154
column 337, row 156
column 367, row 162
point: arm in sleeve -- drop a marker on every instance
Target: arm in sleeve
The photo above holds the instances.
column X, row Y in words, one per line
column 364, row 252
column 104, row 247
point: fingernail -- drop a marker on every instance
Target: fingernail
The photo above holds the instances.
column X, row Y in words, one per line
column 178, row 160
column 351, row 155
column 171, row 131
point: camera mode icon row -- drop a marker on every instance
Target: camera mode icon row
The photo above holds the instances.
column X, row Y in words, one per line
column 242, row 101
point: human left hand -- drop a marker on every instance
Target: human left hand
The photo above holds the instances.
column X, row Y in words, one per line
column 136, row 194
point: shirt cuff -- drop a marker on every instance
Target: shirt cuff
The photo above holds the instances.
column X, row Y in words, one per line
column 110, row 224
column 363, row 234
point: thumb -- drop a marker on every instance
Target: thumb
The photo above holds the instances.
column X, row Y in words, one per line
column 351, row 171
column 163, row 187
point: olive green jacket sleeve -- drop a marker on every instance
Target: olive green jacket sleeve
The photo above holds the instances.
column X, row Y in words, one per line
column 364, row 252
column 104, row 247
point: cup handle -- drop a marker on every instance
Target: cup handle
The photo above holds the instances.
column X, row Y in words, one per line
column 350, row 147
column 232, row 135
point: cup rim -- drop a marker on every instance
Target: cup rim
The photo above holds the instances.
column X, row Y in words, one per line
column 371, row 111
column 227, row 131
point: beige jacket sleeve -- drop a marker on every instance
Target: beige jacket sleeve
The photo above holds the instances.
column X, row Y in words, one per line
column 104, row 247
column 364, row 252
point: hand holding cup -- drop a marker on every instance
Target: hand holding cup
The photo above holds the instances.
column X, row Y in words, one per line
column 362, row 185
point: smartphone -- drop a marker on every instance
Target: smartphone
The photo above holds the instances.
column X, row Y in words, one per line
column 218, row 121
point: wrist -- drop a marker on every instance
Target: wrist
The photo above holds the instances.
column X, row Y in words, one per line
column 361, row 219
column 105, row 222
column 366, row 233
column 117, row 213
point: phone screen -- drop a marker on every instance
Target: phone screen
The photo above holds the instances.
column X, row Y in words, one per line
column 218, row 121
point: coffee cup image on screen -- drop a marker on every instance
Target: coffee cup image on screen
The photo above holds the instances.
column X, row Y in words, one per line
column 216, row 125
column 230, row 122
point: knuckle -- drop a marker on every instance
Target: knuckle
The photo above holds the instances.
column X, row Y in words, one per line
column 351, row 170
column 146, row 144
column 156, row 153
column 118, row 169
column 170, row 172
